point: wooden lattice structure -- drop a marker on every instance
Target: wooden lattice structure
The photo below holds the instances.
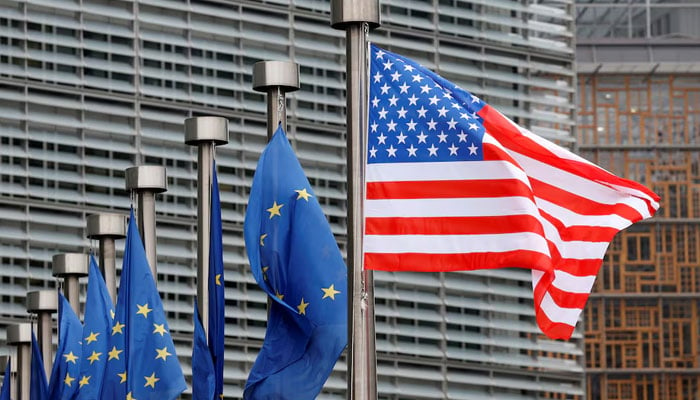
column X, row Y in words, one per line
column 642, row 330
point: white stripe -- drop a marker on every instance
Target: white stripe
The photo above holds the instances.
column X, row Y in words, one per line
column 559, row 314
column 536, row 277
column 572, row 283
column 634, row 192
column 449, row 244
column 570, row 218
column 462, row 207
column 444, row 171
column 573, row 249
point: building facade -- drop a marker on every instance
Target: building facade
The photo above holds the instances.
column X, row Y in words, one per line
column 90, row 88
column 639, row 117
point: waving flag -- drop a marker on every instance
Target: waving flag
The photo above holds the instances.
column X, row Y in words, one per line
column 203, row 382
column 142, row 363
column 96, row 332
column 39, row 389
column 216, row 288
column 64, row 380
column 452, row 184
column 5, row 393
column 295, row 259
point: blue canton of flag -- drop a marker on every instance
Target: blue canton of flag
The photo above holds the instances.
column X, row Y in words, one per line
column 96, row 331
column 147, row 366
column 66, row 367
column 295, row 259
column 216, row 288
column 203, row 385
column 5, row 393
column 39, row 389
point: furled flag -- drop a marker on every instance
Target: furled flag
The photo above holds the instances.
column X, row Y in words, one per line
column 96, row 332
column 203, row 385
column 66, row 365
column 295, row 259
column 39, row 389
column 216, row 288
column 452, row 184
column 147, row 366
column 5, row 393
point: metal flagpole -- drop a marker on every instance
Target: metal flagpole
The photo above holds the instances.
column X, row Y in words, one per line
column 147, row 181
column 43, row 303
column 71, row 267
column 20, row 335
column 276, row 78
column 206, row 133
column 107, row 228
column 357, row 17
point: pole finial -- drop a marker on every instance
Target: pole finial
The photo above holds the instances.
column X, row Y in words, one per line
column 352, row 12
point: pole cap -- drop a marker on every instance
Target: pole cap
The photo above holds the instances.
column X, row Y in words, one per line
column 70, row 264
column 106, row 225
column 271, row 74
column 206, row 129
column 19, row 333
column 149, row 178
column 349, row 12
column 42, row 301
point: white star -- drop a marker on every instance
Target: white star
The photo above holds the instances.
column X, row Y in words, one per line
column 391, row 126
column 413, row 100
column 411, row 125
column 404, row 88
column 443, row 137
column 422, row 137
column 380, row 53
column 374, row 126
column 412, row 151
column 433, row 150
column 472, row 149
column 462, row 136
column 464, row 116
column 453, row 149
column 401, row 138
column 455, row 105
column 377, row 77
column 425, row 88
column 372, row 152
column 442, row 112
column 388, row 64
column 375, row 102
column 447, row 95
column 417, row 78
column 475, row 99
column 392, row 151
column 392, row 100
column 402, row 112
column 452, row 123
column 473, row 127
column 431, row 125
column 408, row 68
column 395, row 76
column 421, row 112
column 382, row 113
column 385, row 88
column 433, row 100
column 381, row 138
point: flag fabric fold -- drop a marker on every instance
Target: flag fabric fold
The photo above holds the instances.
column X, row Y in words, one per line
column 216, row 288
column 39, row 388
column 203, row 380
column 65, row 372
column 96, row 333
column 142, row 363
column 452, row 184
column 296, row 261
column 5, row 393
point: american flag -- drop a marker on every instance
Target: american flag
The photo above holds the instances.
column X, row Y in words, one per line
column 452, row 184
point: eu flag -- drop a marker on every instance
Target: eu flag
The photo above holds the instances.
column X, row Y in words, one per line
column 96, row 332
column 147, row 366
column 203, row 386
column 64, row 380
column 216, row 288
column 295, row 259
column 39, row 389
column 5, row 393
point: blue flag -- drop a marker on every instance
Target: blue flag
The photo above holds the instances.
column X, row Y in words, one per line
column 96, row 332
column 203, row 385
column 39, row 389
column 147, row 366
column 5, row 393
column 66, row 365
column 216, row 288
column 295, row 259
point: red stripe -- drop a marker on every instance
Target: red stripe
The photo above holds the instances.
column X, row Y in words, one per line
column 456, row 262
column 553, row 330
column 581, row 233
column 453, row 225
column 447, row 189
column 568, row 299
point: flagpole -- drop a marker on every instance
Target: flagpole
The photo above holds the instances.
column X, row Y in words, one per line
column 107, row 228
column 206, row 133
column 71, row 267
column 357, row 17
column 20, row 335
column 276, row 78
column 43, row 303
column 147, row 181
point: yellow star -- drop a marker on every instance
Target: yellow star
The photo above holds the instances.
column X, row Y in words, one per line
column 151, row 380
column 92, row 337
column 85, row 380
column 143, row 310
column 302, row 307
column 217, row 279
column 221, row 396
column 329, row 292
column 95, row 356
column 275, row 209
column 262, row 237
column 68, row 381
column 111, row 313
column 163, row 353
column 130, row 397
column 70, row 357
column 264, row 271
column 117, row 328
column 279, row 295
column 114, row 353
column 303, row 194
column 159, row 329
column 123, row 377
